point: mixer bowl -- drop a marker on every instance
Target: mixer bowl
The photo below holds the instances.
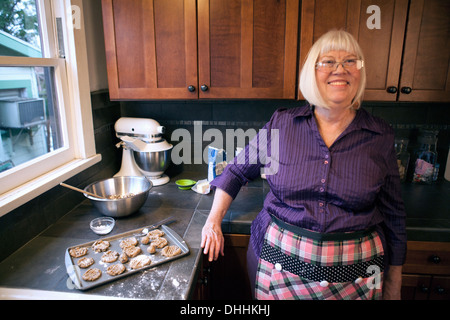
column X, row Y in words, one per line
column 154, row 163
column 120, row 207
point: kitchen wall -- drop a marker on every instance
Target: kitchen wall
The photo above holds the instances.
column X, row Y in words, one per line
column 24, row 223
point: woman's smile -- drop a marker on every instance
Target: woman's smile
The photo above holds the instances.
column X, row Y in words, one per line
column 338, row 87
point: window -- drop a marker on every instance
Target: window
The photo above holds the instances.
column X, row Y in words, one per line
column 45, row 110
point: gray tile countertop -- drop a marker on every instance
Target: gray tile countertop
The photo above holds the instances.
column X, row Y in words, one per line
column 39, row 265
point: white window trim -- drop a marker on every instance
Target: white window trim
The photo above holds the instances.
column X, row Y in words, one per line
column 80, row 131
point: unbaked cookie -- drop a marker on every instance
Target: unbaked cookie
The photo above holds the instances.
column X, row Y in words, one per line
column 100, row 245
column 159, row 242
column 171, row 251
column 132, row 251
column 92, row 274
column 140, row 261
column 128, row 242
column 155, row 234
column 115, row 269
column 110, row 256
column 151, row 249
column 123, row 258
column 85, row 262
column 145, row 240
column 78, row 252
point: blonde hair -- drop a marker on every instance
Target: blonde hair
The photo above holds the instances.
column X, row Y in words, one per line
column 334, row 40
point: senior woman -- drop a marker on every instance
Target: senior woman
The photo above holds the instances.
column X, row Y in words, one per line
column 333, row 223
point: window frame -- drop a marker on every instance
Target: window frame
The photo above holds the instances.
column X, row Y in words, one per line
column 29, row 180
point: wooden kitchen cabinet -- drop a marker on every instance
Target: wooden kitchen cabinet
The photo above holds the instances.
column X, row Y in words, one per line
column 425, row 287
column 227, row 277
column 151, row 48
column 426, row 272
column 426, row 59
column 415, row 287
column 187, row 49
column 406, row 59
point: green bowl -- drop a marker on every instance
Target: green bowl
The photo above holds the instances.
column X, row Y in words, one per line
column 185, row 184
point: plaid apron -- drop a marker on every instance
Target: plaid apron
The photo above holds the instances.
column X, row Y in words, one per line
column 300, row 264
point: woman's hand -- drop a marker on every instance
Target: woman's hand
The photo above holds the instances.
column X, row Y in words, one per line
column 392, row 283
column 212, row 239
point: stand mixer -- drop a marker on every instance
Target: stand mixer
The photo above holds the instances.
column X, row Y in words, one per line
column 145, row 152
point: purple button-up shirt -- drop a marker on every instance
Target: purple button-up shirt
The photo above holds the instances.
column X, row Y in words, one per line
column 352, row 185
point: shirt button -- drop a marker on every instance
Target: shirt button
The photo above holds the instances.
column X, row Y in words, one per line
column 323, row 180
column 321, row 189
column 358, row 280
column 324, row 283
column 326, row 156
column 278, row 267
column 325, row 162
column 320, row 204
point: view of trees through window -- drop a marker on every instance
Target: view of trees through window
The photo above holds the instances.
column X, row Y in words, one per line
column 19, row 19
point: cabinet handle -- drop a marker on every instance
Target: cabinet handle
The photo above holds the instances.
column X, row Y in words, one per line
column 203, row 281
column 204, row 87
column 435, row 259
column 391, row 89
column 423, row 288
column 191, row 88
column 406, row 90
column 440, row 290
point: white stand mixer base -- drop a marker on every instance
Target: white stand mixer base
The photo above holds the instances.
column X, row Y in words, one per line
column 157, row 181
column 129, row 167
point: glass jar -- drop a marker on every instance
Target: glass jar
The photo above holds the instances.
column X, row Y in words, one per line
column 426, row 157
column 401, row 144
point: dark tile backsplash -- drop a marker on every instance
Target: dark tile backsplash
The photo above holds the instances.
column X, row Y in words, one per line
column 27, row 221
column 405, row 118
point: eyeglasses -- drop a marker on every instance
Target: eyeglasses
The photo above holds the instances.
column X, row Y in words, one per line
column 347, row 64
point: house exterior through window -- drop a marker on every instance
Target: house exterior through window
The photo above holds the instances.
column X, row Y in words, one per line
column 46, row 132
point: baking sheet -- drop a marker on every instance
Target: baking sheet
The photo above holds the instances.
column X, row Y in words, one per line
column 75, row 273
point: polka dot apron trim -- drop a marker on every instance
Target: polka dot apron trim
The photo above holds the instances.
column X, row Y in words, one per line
column 338, row 273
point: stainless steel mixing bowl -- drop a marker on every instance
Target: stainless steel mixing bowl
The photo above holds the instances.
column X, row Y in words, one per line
column 119, row 186
column 154, row 163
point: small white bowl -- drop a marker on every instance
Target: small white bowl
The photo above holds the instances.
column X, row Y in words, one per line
column 102, row 225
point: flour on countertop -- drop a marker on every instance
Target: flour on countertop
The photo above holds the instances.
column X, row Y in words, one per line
column 149, row 280
column 51, row 271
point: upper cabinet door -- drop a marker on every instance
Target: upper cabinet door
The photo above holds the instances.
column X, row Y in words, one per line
column 379, row 27
column 151, row 49
column 244, row 49
column 405, row 43
column 247, row 48
column 426, row 60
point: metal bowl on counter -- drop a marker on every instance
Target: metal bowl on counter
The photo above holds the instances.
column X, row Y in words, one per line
column 154, row 163
column 122, row 196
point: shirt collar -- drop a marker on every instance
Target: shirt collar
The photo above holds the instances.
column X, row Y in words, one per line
column 303, row 111
column 363, row 119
